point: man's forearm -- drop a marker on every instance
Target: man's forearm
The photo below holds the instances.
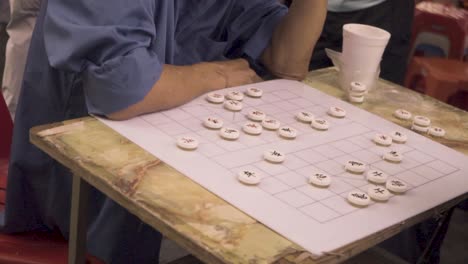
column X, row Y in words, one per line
column 293, row 41
column 177, row 85
column 180, row 84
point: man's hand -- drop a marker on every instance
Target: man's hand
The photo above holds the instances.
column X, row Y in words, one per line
column 232, row 72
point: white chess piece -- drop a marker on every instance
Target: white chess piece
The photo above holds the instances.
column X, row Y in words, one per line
column 254, row 92
column 359, row 198
column 270, row 123
column 187, row 142
column 233, row 105
column 249, row 177
column 396, row 186
column 320, row 179
column 378, row 193
column 229, row 133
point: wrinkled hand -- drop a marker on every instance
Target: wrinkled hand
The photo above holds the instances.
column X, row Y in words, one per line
column 237, row 72
column 229, row 73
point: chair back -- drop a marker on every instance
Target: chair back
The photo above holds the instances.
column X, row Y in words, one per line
column 439, row 30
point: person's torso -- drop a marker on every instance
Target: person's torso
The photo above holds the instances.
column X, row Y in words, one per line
column 351, row 5
column 190, row 31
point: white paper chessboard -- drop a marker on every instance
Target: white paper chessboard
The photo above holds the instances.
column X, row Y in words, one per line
column 318, row 219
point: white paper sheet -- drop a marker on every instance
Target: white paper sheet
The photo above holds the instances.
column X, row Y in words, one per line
column 318, row 219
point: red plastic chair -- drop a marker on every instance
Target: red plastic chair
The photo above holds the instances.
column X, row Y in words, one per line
column 30, row 247
column 442, row 26
column 6, row 132
column 443, row 79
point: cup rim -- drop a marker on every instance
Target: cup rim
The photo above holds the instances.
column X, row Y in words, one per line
column 375, row 33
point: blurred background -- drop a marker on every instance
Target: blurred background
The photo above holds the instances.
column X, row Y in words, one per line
column 438, row 61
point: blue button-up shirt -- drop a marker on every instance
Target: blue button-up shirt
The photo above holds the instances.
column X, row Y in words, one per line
column 100, row 56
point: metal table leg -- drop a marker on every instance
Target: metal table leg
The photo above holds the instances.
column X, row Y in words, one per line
column 78, row 221
column 437, row 237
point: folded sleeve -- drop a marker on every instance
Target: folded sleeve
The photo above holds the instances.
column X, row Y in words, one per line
column 252, row 25
column 109, row 43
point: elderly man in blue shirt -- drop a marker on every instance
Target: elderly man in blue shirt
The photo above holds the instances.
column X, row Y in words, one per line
column 122, row 58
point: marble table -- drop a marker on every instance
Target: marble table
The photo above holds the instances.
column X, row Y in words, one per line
column 207, row 226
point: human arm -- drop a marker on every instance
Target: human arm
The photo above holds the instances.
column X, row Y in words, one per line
column 108, row 46
column 294, row 38
column 169, row 92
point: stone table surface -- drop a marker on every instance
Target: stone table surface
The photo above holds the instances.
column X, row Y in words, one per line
column 207, row 226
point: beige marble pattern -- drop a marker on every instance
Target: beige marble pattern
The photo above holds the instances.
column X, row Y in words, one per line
column 387, row 97
column 206, row 225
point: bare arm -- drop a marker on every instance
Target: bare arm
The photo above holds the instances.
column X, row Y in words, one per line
column 180, row 84
column 287, row 56
column 293, row 41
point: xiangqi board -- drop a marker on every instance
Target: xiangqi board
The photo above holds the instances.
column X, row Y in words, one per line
column 285, row 193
